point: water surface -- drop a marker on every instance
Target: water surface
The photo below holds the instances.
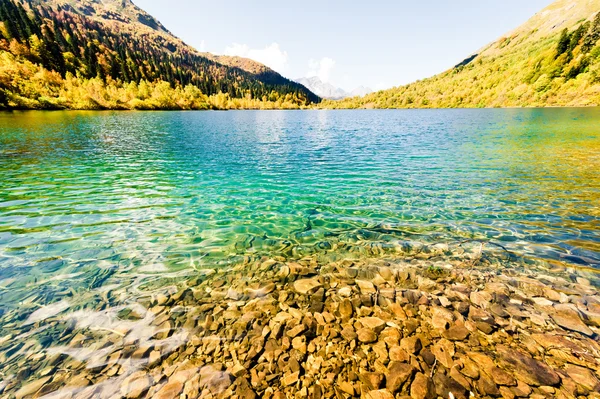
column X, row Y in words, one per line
column 90, row 200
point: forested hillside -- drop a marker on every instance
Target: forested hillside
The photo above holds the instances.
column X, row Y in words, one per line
column 552, row 60
column 96, row 54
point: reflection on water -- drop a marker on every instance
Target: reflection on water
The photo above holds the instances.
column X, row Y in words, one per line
column 97, row 203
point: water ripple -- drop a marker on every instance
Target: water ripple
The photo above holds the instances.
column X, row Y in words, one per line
column 133, row 195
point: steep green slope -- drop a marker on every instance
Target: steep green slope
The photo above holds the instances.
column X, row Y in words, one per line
column 551, row 60
column 111, row 44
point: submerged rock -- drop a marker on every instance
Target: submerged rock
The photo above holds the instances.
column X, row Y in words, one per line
column 527, row 369
column 305, row 286
column 569, row 319
column 386, row 328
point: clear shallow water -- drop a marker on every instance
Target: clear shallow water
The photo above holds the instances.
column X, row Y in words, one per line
column 94, row 200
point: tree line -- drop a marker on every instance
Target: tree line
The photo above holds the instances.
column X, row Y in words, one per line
column 63, row 41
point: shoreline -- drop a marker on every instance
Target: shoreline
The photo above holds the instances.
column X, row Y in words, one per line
column 309, row 108
column 419, row 326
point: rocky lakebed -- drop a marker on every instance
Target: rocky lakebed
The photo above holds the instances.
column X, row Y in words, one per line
column 425, row 326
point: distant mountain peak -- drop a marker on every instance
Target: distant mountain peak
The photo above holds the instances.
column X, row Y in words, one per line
column 329, row 91
column 361, row 91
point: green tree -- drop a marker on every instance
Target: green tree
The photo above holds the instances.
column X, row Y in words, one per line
column 563, row 43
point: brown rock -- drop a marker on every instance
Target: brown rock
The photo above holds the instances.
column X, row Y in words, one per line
column 391, row 336
column 470, row 369
column 481, row 298
column 462, row 307
column 398, row 374
column 380, row 394
column 422, row 387
column 522, row 390
column 294, row 332
column 396, row 353
column 412, row 345
column 244, row 392
column 386, row 273
column 584, row 377
column 427, row 356
column 441, row 318
column 444, row 351
column 507, row 393
column 307, row 285
column 456, row 333
column 346, row 309
column 477, row 314
column 290, row 379
column 570, row 320
column 136, row 385
column 349, row 334
column 31, row 387
column 487, row 387
column 154, row 358
column 458, row 377
column 501, row 377
column 279, row 395
column 547, row 391
column 238, row 370
column 389, row 293
column 366, row 287
column 484, row 327
column 299, row 343
column 550, row 342
column 592, row 318
column 372, row 380
column 445, row 386
column 214, row 379
column 498, row 310
column 398, row 311
column 527, row 369
column 366, row 335
column 169, row 390
column 347, row 387
column 373, row 323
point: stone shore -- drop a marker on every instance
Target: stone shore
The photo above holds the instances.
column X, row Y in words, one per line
column 378, row 329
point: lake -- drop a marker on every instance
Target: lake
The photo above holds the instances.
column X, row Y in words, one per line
column 124, row 205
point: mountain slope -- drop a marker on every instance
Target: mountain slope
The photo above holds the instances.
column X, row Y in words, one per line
column 115, row 42
column 551, row 60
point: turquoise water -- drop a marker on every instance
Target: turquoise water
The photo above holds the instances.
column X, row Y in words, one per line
column 90, row 200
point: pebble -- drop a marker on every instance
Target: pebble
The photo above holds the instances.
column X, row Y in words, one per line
column 366, row 287
column 373, row 323
column 456, row 333
column 570, row 320
column 31, row 387
column 386, row 328
column 380, row 394
column 306, row 286
column 422, row 387
column 398, row 374
column 290, row 379
column 366, row 335
column 411, row 344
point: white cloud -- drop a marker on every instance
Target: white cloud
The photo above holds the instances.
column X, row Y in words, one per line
column 272, row 56
column 321, row 68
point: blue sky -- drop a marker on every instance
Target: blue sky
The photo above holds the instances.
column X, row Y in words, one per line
column 376, row 43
